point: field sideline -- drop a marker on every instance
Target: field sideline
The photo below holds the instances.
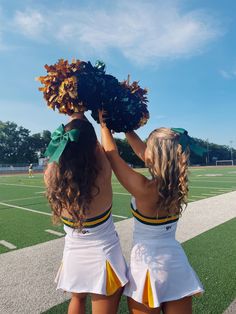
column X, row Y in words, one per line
column 25, row 213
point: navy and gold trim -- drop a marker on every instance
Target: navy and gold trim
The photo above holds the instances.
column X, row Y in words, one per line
column 151, row 220
column 90, row 222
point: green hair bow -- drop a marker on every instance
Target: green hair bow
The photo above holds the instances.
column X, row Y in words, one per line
column 59, row 140
column 186, row 141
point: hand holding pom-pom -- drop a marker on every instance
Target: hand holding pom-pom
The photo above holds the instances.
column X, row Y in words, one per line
column 127, row 109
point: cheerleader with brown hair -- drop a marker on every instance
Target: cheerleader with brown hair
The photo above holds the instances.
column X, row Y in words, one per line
column 78, row 183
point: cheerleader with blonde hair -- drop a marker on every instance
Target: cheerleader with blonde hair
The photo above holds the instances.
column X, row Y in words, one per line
column 160, row 276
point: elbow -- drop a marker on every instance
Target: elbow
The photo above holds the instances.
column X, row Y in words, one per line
column 112, row 156
column 111, row 153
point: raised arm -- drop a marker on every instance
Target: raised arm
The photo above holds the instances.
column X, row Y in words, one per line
column 133, row 182
column 137, row 144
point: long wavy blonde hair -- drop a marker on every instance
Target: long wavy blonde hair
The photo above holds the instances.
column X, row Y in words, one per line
column 168, row 165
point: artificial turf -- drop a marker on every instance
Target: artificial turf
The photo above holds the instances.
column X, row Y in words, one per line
column 24, row 228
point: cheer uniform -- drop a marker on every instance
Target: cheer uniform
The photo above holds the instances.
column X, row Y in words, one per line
column 92, row 259
column 159, row 269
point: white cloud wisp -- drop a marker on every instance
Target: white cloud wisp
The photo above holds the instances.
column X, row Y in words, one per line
column 142, row 32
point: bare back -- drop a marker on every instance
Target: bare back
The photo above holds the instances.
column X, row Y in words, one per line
column 103, row 196
column 103, row 200
column 147, row 203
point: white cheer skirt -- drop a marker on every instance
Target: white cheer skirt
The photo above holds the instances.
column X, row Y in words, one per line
column 159, row 269
column 92, row 261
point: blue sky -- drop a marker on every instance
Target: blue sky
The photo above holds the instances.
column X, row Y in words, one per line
column 183, row 51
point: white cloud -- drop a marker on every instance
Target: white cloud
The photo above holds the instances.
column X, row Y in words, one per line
column 228, row 74
column 30, row 23
column 143, row 32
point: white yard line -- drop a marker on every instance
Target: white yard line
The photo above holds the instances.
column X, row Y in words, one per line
column 197, row 196
column 24, row 208
column 118, row 216
column 43, row 213
column 59, row 234
column 215, row 181
column 8, row 245
column 22, row 185
column 22, row 199
column 229, row 190
column 209, row 187
column 121, row 193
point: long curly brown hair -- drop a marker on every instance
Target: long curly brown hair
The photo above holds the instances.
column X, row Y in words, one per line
column 168, row 164
column 71, row 185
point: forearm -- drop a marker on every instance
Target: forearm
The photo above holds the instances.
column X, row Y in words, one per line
column 136, row 143
column 108, row 141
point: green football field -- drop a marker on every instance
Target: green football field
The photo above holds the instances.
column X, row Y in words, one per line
column 25, row 220
column 25, row 214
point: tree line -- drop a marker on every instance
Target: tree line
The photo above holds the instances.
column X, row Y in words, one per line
column 17, row 145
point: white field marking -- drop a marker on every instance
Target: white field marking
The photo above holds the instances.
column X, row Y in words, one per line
column 121, row 193
column 39, row 212
column 198, row 196
column 8, row 245
column 208, row 187
column 119, row 216
column 215, row 181
column 210, row 175
column 22, row 199
column 22, row 185
column 59, row 234
column 41, row 192
column 208, row 194
column 24, row 208
column 228, row 190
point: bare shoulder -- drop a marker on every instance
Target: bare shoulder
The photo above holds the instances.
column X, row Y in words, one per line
column 149, row 189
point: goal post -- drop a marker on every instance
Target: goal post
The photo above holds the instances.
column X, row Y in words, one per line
column 224, row 162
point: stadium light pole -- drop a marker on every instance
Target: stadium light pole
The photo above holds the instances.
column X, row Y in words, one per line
column 231, row 149
column 207, row 141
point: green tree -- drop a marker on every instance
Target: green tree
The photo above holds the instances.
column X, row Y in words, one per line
column 14, row 143
column 18, row 146
column 127, row 153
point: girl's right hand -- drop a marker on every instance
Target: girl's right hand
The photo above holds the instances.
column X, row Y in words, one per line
column 101, row 119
